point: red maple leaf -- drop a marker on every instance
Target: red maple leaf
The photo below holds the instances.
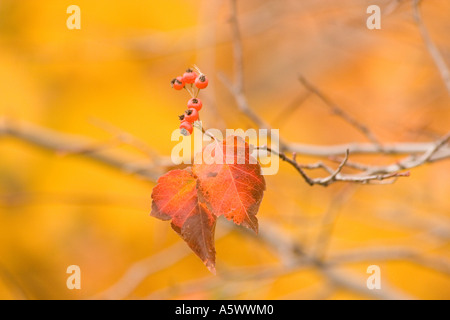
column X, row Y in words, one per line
column 231, row 185
column 175, row 197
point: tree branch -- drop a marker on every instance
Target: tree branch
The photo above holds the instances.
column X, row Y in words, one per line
column 237, row 88
column 432, row 48
column 390, row 254
column 70, row 144
column 341, row 113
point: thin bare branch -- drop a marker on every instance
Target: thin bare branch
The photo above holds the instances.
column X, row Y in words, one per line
column 328, row 221
column 67, row 144
column 411, row 162
column 368, row 148
column 299, row 260
column 237, row 88
column 317, row 165
column 141, row 270
column 346, row 281
column 292, row 162
column 390, row 254
column 237, row 49
column 426, row 157
column 341, row 113
column 13, row 283
column 351, row 164
column 127, row 138
column 431, row 47
column 335, row 175
column 286, row 112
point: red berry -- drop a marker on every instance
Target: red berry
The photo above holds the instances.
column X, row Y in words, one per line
column 189, row 76
column 186, row 128
column 177, row 83
column 195, row 103
column 191, row 115
column 201, row 82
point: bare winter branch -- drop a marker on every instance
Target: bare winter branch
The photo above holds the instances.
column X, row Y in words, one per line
column 432, row 48
column 391, row 254
column 341, row 113
column 69, row 144
column 335, row 175
column 237, row 88
column 369, row 148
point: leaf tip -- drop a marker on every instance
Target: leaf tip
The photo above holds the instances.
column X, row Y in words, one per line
column 211, row 266
column 251, row 224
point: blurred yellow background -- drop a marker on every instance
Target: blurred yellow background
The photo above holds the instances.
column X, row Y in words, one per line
column 57, row 210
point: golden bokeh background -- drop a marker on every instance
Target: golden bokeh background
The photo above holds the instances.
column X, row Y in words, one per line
column 61, row 209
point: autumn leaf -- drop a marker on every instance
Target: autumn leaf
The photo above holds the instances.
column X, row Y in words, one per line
column 227, row 182
column 230, row 181
column 175, row 197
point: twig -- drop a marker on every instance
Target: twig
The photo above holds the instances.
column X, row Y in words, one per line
column 237, row 49
column 412, row 161
column 335, row 175
column 368, row 148
column 207, row 16
column 392, row 7
column 127, row 138
column 237, row 88
column 14, row 284
column 65, row 143
column 351, row 164
column 292, row 162
column 344, row 280
column 285, row 113
column 390, row 254
column 299, row 260
column 341, row 113
column 328, row 221
column 317, row 165
column 432, row 49
column 429, row 154
column 144, row 268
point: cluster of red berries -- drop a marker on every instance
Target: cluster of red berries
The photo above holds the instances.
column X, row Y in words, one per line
column 192, row 81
